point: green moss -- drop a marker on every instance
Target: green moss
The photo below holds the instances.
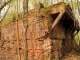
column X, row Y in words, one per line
column 45, row 11
column 42, row 12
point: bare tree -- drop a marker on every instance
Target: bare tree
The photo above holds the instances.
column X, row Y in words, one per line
column 78, row 6
column 4, row 4
column 2, row 20
column 18, row 40
column 4, row 14
column 25, row 24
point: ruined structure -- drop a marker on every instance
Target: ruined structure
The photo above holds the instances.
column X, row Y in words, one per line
column 50, row 34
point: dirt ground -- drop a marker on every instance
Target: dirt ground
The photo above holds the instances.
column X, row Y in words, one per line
column 72, row 56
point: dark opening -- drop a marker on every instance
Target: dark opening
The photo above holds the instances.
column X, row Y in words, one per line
column 68, row 23
column 52, row 19
column 54, row 16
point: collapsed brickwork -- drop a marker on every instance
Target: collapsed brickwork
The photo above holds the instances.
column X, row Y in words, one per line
column 46, row 39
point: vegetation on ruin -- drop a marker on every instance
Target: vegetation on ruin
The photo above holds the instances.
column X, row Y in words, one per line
column 14, row 10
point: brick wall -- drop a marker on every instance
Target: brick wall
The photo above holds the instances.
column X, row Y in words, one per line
column 38, row 48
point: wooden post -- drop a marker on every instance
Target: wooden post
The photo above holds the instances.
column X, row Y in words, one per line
column 57, row 19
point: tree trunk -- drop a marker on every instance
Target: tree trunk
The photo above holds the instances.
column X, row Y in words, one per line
column 25, row 24
column 25, row 45
column 18, row 41
column 4, row 15
column 78, row 6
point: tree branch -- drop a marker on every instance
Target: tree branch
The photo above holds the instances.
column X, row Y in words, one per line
column 4, row 15
column 4, row 4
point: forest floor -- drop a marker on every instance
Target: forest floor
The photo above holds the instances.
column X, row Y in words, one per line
column 72, row 56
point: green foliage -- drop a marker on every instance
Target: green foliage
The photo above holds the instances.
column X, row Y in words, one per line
column 12, row 3
column 75, row 4
column 31, row 3
column 8, row 18
column 46, row 3
column 77, row 38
